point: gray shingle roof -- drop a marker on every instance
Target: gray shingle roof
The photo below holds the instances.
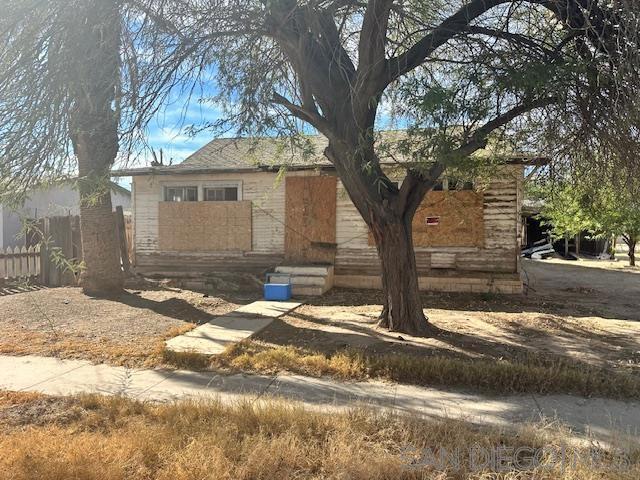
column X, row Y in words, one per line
column 233, row 153
column 240, row 154
column 253, row 154
column 245, row 154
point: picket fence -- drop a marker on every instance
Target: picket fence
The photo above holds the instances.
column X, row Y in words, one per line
column 19, row 263
column 63, row 234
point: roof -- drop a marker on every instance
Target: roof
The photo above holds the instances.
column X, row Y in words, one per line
column 268, row 154
column 120, row 189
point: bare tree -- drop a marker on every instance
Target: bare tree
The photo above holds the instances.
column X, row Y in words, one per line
column 455, row 72
column 78, row 83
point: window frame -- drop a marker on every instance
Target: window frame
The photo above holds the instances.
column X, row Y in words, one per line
column 166, row 188
column 201, row 185
column 222, row 184
column 206, row 190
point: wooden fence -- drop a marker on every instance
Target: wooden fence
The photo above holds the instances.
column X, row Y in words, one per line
column 20, row 263
column 47, row 262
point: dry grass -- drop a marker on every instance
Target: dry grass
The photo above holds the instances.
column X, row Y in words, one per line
column 185, row 360
column 118, row 439
column 128, row 329
column 10, row 399
column 531, row 374
column 148, row 352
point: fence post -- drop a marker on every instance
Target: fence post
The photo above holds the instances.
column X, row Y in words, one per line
column 122, row 239
column 11, row 263
column 37, row 260
column 3, row 266
column 45, row 260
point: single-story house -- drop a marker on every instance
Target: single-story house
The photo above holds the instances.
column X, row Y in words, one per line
column 52, row 201
column 232, row 207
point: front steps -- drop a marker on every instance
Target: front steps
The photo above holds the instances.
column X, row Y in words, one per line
column 306, row 281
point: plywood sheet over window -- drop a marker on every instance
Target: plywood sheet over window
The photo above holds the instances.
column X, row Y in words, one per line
column 310, row 206
column 449, row 219
column 460, row 220
column 205, row 226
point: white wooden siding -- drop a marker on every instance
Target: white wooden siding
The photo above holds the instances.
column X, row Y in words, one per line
column 353, row 253
column 501, row 224
column 262, row 188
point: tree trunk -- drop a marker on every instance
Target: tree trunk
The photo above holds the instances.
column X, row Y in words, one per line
column 102, row 274
column 632, row 252
column 94, row 77
column 402, row 307
column 390, row 222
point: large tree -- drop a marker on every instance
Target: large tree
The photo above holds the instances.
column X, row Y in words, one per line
column 77, row 84
column 605, row 206
column 455, row 72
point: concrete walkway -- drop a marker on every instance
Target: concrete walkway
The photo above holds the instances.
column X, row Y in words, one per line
column 212, row 337
column 603, row 419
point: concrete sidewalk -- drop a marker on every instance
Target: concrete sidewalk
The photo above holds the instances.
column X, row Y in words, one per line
column 213, row 337
column 601, row 418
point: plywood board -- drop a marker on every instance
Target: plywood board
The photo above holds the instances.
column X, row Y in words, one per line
column 310, row 206
column 461, row 220
column 449, row 219
column 204, row 226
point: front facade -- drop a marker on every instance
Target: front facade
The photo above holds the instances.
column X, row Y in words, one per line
column 220, row 210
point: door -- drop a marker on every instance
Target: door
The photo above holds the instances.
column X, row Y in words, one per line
column 310, row 206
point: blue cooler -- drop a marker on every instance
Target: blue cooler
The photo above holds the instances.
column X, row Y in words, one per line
column 277, row 291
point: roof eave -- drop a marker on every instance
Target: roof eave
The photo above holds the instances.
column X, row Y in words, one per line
column 526, row 160
column 195, row 171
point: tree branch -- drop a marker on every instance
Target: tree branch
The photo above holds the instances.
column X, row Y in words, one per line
column 449, row 28
column 417, row 184
column 314, row 119
column 373, row 37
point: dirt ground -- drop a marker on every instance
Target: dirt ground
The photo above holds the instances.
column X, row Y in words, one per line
column 19, row 409
column 129, row 329
column 586, row 311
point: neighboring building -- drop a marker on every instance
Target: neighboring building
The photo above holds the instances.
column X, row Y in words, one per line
column 536, row 232
column 54, row 201
column 229, row 207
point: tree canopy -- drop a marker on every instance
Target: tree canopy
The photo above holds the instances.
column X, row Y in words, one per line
column 42, row 70
column 451, row 73
column 606, row 206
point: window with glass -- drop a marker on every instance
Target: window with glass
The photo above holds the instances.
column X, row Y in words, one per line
column 221, row 194
column 181, row 194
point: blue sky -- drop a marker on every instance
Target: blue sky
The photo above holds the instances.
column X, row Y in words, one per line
column 168, row 132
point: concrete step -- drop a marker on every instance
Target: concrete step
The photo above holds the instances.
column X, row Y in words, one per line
column 315, row 280
column 304, row 270
column 307, row 291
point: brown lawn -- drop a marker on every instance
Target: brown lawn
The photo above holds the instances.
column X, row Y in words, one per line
column 576, row 330
column 102, row 438
column 579, row 312
column 129, row 329
column 578, row 323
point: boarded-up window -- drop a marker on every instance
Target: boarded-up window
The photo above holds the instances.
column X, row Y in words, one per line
column 205, row 226
column 460, row 220
column 449, row 219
